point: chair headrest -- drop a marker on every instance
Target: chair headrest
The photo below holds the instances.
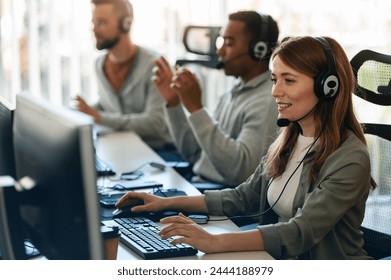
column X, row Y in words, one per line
column 201, row 41
column 373, row 73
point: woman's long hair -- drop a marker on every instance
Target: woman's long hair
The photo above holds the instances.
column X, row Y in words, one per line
column 333, row 116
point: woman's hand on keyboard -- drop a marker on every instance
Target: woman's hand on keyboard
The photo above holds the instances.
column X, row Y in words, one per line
column 189, row 233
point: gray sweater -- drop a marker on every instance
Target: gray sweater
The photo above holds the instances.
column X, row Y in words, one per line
column 138, row 105
column 327, row 215
column 227, row 147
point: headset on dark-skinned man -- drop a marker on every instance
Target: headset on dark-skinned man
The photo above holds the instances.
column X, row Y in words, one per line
column 259, row 47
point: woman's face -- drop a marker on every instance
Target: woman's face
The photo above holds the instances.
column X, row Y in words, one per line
column 294, row 95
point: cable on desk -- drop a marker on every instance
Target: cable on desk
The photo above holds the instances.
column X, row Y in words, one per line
column 156, row 190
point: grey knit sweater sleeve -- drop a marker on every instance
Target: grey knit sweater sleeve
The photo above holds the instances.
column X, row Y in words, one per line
column 138, row 105
column 227, row 147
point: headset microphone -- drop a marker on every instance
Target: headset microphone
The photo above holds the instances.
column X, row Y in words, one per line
column 221, row 63
column 286, row 122
column 283, row 122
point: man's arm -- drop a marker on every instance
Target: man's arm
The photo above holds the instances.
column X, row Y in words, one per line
column 177, row 122
column 85, row 108
column 236, row 151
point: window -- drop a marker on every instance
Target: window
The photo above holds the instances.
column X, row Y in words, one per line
column 47, row 47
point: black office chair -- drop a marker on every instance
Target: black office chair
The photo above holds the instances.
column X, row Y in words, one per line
column 373, row 73
column 201, row 42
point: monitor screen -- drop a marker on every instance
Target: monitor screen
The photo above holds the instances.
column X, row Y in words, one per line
column 55, row 170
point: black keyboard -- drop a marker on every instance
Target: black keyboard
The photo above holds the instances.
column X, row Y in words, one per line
column 140, row 235
column 102, row 168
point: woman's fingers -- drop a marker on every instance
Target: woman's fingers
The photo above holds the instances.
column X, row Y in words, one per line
column 181, row 218
column 184, row 230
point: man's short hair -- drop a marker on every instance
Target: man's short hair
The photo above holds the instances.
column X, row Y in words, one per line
column 123, row 8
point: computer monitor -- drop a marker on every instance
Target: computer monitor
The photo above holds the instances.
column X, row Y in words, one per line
column 7, row 160
column 55, row 170
column 11, row 229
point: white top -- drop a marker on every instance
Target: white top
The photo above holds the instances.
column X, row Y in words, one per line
column 284, row 206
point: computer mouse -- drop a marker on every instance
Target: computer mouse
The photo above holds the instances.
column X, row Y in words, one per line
column 125, row 211
column 117, row 213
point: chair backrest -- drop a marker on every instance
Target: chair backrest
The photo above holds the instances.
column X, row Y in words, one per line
column 201, row 41
column 373, row 73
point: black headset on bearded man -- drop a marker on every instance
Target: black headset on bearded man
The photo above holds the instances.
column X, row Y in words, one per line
column 125, row 24
column 326, row 82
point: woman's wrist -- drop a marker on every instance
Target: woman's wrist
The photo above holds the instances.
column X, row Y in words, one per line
column 168, row 203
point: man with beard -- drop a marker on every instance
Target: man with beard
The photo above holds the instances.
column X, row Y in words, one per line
column 127, row 98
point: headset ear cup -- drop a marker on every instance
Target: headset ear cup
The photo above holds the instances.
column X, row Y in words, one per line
column 331, row 86
column 259, row 50
column 318, row 85
column 125, row 24
column 326, row 85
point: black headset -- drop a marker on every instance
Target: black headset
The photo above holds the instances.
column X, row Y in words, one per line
column 326, row 82
column 260, row 46
column 125, row 23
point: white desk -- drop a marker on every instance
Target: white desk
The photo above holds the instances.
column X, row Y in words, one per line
column 125, row 151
